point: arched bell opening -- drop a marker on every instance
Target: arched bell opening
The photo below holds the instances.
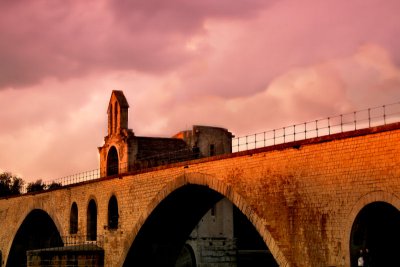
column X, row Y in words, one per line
column 112, row 162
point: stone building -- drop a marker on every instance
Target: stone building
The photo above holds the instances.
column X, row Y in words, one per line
column 212, row 242
column 123, row 151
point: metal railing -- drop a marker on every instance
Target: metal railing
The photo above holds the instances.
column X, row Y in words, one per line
column 123, row 167
column 78, row 178
column 362, row 119
column 82, row 240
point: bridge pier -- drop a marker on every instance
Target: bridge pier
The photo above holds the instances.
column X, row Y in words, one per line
column 82, row 255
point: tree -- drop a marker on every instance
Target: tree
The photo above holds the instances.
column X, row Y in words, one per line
column 10, row 184
column 36, row 186
column 54, row 185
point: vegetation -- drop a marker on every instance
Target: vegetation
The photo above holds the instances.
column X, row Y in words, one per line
column 36, row 186
column 10, row 184
column 54, row 185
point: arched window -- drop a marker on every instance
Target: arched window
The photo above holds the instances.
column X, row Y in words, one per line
column 112, row 161
column 113, row 213
column 116, row 117
column 110, row 121
column 92, row 221
column 73, row 219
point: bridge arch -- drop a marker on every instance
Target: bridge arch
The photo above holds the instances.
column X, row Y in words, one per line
column 73, row 219
column 212, row 190
column 369, row 203
column 112, row 213
column 37, row 230
column 91, row 220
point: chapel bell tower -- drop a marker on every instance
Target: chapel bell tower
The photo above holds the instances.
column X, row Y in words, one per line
column 114, row 156
column 117, row 113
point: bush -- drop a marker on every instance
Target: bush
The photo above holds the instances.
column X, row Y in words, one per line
column 36, row 186
column 54, row 185
column 10, row 184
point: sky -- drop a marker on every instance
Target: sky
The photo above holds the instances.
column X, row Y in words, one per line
column 245, row 65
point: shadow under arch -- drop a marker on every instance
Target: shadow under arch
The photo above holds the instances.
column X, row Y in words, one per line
column 37, row 231
column 186, row 257
column 163, row 228
column 373, row 221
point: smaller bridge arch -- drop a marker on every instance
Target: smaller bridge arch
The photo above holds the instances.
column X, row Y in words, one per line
column 91, row 220
column 374, row 210
column 112, row 213
column 189, row 186
column 73, row 219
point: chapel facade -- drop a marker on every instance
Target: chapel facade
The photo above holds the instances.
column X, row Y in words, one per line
column 123, row 151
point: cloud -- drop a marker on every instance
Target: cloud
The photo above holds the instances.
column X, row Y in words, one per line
column 55, row 132
column 365, row 78
column 248, row 66
column 66, row 39
column 243, row 57
column 218, row 47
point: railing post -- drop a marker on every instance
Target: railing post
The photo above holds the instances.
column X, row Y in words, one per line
column 284, row 135
column 369, row 118
column 305, row 130
column 274, row 136
column 329, row 126
column 264, row 139
column 316, row 126
column 355, row 121
column 384, row 115
column 294, row 132
column 341, row 123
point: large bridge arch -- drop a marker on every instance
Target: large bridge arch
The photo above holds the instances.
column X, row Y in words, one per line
column 37, row 229
column 362, row 203
column 216, row 188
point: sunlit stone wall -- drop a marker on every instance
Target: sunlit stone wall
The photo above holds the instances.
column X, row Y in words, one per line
column 301, row 197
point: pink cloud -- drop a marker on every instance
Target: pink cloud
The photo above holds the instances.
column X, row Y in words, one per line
column 248, row 66
column 65, row 39
column 246, row 56
column 366, row 78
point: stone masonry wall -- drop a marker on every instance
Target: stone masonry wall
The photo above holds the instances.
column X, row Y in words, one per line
column 301, row 197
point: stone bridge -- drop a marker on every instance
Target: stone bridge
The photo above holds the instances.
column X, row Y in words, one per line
column 314, row 202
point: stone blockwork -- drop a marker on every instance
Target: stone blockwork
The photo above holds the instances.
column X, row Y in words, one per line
column 122, row 151
column 79, row 256
column 301, row 197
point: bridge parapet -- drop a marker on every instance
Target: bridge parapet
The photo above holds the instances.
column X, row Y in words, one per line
column 300, row 196
column 361, row 119
column 331, row 126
